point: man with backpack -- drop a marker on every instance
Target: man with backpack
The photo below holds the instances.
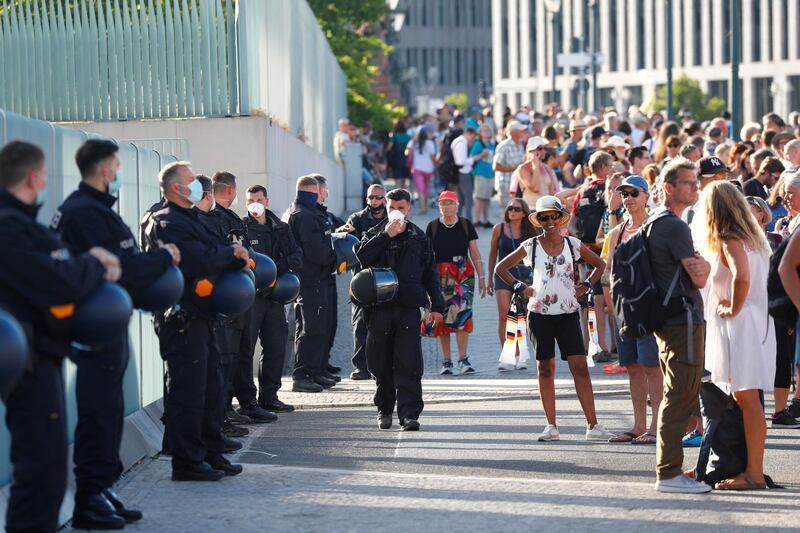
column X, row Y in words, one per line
column 447, row 167
column 510, row 154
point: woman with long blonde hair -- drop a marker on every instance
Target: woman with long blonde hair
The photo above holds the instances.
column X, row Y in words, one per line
column 740, row 338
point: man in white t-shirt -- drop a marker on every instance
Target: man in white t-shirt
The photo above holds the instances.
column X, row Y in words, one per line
column 460, row 148
column 341, row 138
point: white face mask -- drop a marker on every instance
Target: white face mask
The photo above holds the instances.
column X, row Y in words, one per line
column 396, row 215
column 256, row 209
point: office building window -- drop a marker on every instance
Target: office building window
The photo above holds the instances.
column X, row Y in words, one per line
column 718, row 88
column 424, row 18
column 655, row 20
column 613, row 31
column 784, row 29
column 755, row 31
column 459, row 79
column 697, row 32
column 519, row 44
column 424, row 72
column 457, row 15
column 442, row 68
column 441, row 13
column 726, row 32
column 640, row 33
column 474, row 65
column 532, row 40
column 605, row 97
column 712, row 35
column 474, row 13
column 634, row 94
column 625, row 47
column 770, row 48
column 504, row 38
column 532, row 99
column 550, row 97
column 794, row 84
column 762, row 96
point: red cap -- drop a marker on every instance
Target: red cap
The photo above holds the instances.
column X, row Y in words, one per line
column 448, row 195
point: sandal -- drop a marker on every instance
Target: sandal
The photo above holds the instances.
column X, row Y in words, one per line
column 644, row 438
column 740, row 482
column 628, row 436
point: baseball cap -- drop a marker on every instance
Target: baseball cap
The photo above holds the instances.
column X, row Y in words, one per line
column 515, row 125
column 523, row 117
column 710, row 166
column 534, row 143
column 617, row 142
column 447, row 195
column 637, row 182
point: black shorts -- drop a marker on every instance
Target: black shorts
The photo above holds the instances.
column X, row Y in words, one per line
column 563, row 329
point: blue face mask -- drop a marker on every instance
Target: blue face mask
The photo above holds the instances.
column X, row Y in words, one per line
column 114, row 186
column 42, row 196
column 306, row 198
column 195, row 192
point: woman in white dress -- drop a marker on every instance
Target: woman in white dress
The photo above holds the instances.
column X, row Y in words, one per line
column 740, row 335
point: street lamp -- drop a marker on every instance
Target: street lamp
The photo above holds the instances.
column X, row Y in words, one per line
column 554, row 8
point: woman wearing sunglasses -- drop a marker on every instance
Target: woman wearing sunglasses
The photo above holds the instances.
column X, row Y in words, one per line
column 506, row 237
column 553, row 305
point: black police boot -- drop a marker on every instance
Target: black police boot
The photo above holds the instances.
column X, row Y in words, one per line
column 326, row 382
column 200, row 472
column 258, row 415
column 334, row 377
column 410, row 424
column 130, row 515
column 94, row 511
column 305, row 384
column 219, row 462
column 229, row 430
column 384, row 421
column 360, row 375
column 277, row 406
column 231, row 445
column 334, row 369
column 235, row 418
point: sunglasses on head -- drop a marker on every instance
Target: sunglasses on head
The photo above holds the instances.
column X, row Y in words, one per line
column 374, row 197
column 633, row 194
column 544, row 218
column 515, row 208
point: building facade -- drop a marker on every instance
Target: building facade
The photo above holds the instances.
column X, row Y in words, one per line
column 443, row 47
column 632, row 42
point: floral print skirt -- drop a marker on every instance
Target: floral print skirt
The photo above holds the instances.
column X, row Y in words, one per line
column 457, row 280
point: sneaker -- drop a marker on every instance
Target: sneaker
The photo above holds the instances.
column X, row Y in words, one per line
column 785, row 420
column 692, row 440
column 549, row 434
column 521, row 365
column 598, row 432
column 505, row 367
column 464, row 367
column 681, row 484
column 447, row 369
column 602, row 357
column 794, row 408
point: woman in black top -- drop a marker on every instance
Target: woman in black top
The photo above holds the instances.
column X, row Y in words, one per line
column 459, row 263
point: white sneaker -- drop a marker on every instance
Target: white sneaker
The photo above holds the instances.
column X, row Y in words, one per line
column 549, row 434
column 521, row 365
column 504, row 367
column 682, row 484
column 598, row 432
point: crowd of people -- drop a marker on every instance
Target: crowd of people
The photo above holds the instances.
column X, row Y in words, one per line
column 579, row 194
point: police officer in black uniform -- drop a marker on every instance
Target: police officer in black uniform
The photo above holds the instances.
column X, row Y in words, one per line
column 87, row 219
column 235, row 339
column 269, row 236
column 38, row 275
column 193, row 401
column 311, row 230
column 394, row 350
column 360, row 222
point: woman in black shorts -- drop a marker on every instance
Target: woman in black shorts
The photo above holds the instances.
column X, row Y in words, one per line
column 554, row 307
column 506, row 237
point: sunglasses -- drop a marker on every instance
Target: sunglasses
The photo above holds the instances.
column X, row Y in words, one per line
column 545, row 218
column 633, row 194
column 374, row 197
column 515, row 208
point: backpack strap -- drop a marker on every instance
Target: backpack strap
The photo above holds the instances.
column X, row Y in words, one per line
column 434, row 229
column 575, row 274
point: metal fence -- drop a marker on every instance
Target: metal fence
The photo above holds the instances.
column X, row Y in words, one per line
column 144, row 377
column 100, row 60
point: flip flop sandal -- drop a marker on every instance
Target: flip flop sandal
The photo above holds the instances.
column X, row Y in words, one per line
column 628, row 436
column 644, row 438
column 733, row 483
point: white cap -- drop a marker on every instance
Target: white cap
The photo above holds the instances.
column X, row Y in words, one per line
column 515, row 125
column 534, row 143
column 617, row 142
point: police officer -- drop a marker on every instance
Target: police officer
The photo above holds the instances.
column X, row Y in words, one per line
column 394, row 350
column 360, row 222
column 235, row 339
column 87, row 219
column 38, row 276
column 269, row 236
column 193, row 401
column 311, row 230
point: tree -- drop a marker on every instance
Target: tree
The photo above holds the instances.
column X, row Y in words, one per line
column 687, row 94
column 352, row 28
column 458, row 100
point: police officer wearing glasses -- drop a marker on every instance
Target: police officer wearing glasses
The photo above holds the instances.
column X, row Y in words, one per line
column 394, row 350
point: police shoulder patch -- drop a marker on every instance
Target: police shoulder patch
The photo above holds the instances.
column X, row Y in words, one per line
column 56, row 220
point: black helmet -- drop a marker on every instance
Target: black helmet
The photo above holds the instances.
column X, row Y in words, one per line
column 345, row 255
column 101, row 317
column 13, row 351
column 286, row 289
column 229, row 293
column 373, row 286
column 264, row 269
column 163, row 293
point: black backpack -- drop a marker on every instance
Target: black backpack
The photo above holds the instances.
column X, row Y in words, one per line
column 638, row 306
column 448, row 170
column 591, row 207
column 780, row 305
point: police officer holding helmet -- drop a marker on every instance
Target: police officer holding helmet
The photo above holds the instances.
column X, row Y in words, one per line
column 39, row 277
column 272, row 237
column 193, row 399
column 394, row 350
column 87, row 219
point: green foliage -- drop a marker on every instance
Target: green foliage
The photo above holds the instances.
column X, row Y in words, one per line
column 687, row 94
column 459, row 100
column 346, row 24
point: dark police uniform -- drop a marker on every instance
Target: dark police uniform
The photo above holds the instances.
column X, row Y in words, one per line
column 36, row 273
column 394, row 350
column 311, row 230
column 333, row 309
column 362, row 221
column 85, row 220
column 235, row 335
column 145, row 231
column 193, row 401
column 268, row 318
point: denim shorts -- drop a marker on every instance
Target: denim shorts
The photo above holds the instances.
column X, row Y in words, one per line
column 643, row 351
